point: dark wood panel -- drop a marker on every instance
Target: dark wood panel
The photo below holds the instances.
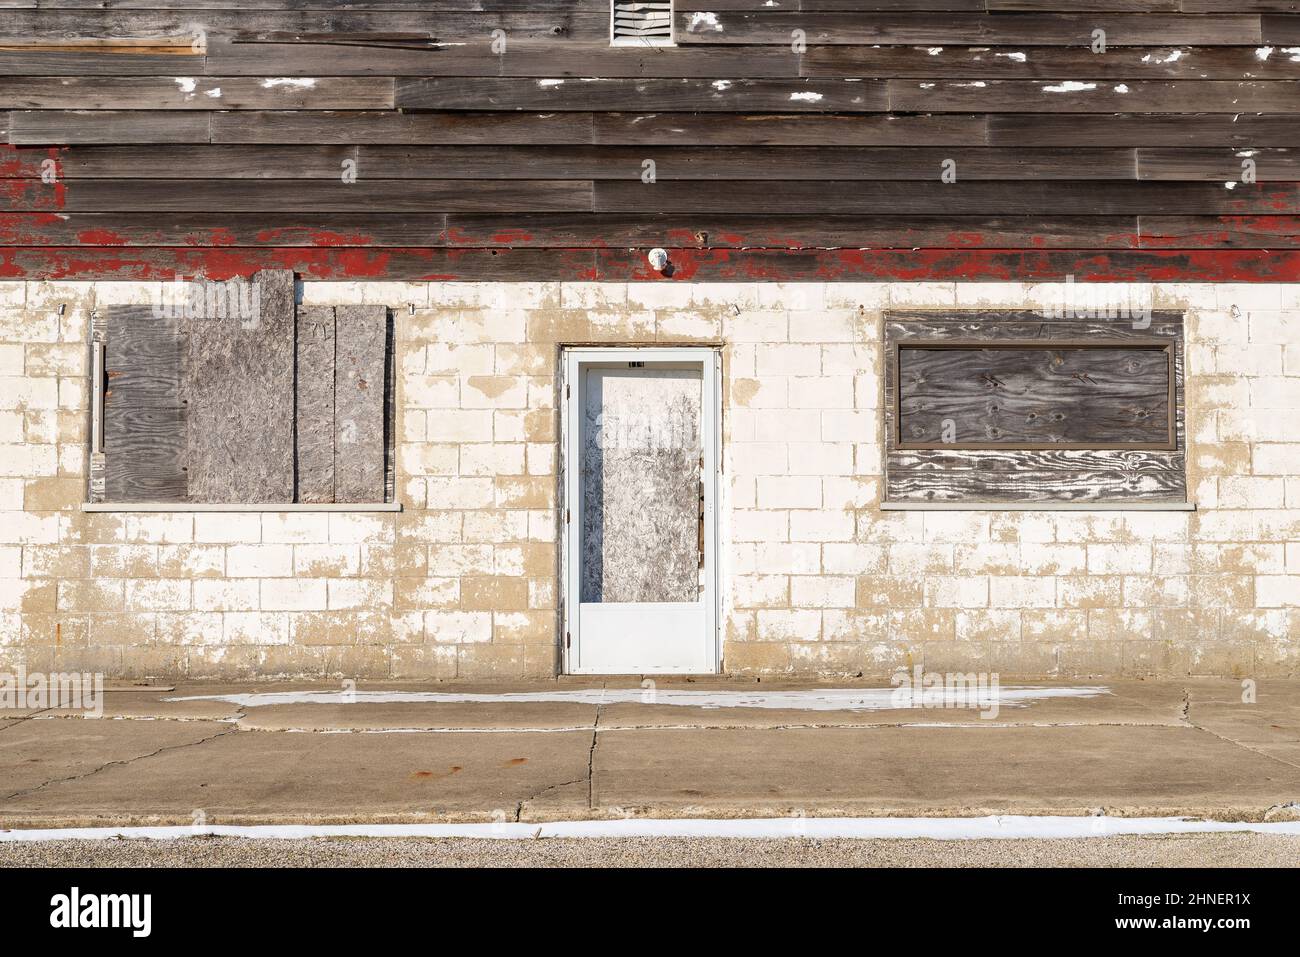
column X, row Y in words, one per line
column 90, row 126
column 1102, row 198
column 601, row 230
column 1017, row 396
column 90, row 63
column 195, row 93
column 969, row 29
column 240, row 391
column 475, row 57
column 790, row 130
column 729, row 96
column 1224, row 232
column 378, row 127
column 1079, row 96
column 852, row 6
column 443, row 6
column 1244, row 130
column 93, row 195
column 1048, row 63
column 314, row 408
column 144, row 419
column 1271, row 165
column 589, row 162
column 359, row 369
column 326, row 27
column 1281, row 30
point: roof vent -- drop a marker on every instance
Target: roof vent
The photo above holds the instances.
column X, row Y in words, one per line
column 647, row 22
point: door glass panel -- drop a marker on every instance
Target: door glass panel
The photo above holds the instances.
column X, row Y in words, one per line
column 641, row 484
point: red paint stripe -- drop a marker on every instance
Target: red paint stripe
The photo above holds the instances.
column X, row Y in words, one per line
column 428, row 264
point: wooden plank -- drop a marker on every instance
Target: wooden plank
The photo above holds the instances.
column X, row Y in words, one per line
column 359, row 372
column 727, row 96
column 985, row 198
column 1270, row 165
column 144, row 418
column 379, row 127
column 1076, row 96
column 239, row 385
column 998, row 395
column 601, row 230
column 179, row 195
column 206, row 161
column 475, row 57
column 325, row 28
column 791, row 130
column 314, row 408
column 443, row 6
column 1281, row 30
column 1219, row 232
column 138, row 264
column 1245, row 130
column 92, row 62
column 1047, row 63
column 91, row 126
column 195, row 93
column 967, row 29
column 849, row 6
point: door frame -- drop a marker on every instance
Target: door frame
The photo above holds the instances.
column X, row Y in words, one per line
column 572, row 358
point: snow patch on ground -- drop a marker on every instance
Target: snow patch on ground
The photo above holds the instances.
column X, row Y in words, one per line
column 822, row 699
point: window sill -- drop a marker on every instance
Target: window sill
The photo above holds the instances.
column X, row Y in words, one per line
column 1038, row 506
column 239, row 507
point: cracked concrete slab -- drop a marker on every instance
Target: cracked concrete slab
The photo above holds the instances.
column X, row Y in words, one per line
column 869, row 770
column 250, row 776
column 535, row 716
column 38, row 751
column 1269, row 724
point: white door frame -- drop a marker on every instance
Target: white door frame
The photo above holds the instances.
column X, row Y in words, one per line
column 571, row 502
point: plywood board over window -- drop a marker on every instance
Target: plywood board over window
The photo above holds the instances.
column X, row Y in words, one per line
column 1024, row 408
column 261, row 404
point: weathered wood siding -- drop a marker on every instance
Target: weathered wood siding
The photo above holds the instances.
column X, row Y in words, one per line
column 790, row 139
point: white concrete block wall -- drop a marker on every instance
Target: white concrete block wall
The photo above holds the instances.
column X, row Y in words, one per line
column 816, row 578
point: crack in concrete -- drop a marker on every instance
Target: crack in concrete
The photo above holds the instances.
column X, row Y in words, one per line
column 1187, row 712
column 23, row 792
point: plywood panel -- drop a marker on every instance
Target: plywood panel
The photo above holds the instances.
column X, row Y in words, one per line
column 144, row 417
column 640, row 463
column 1021, row 395
column 314, row 412
column 359, row 375
column 239, row 384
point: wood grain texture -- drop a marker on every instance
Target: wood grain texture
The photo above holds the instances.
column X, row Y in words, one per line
column 1031, row 475
column 360, row 367
column 314, row 404
column 195, row 93
column 1017, row 396
column 144, row 414
column 969, row 29
column 239, row 383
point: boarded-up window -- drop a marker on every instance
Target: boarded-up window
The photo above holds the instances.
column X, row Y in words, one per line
column 1023, row 408
column 250, row 402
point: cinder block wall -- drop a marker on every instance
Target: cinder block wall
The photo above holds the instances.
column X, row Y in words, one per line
column 816, row 578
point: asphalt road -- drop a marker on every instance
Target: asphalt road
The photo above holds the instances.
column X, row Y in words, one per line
column 1199, row 850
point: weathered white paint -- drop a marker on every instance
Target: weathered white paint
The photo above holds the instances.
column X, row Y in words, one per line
column 298, row 82
column 186, row 83
column 700, row 20
column 806, row 96
column 998, row 828
column 825, row 699
column 1069, row 86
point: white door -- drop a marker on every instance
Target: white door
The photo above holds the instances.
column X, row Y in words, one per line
column 641, row 431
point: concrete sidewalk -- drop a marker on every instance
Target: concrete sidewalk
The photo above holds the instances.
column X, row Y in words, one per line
column 1128, row 747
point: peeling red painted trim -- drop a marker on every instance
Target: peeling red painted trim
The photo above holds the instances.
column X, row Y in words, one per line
column 433, row 264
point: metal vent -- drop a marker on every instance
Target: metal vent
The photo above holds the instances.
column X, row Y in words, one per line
column 650, row 20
